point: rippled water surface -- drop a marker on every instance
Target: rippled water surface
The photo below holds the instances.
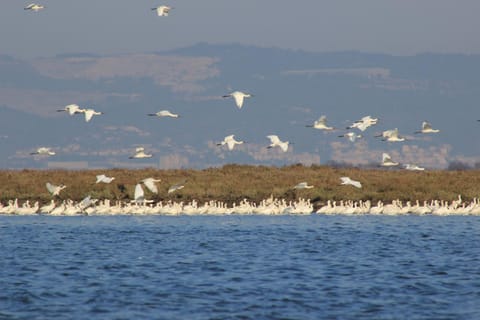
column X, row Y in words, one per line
column 240, row 267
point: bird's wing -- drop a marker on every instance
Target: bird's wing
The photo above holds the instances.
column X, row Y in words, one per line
column 139, row 194
column 50, row 187
column 150, row 184
column 100, row 178
column 273, row 138
column 88, row 115
column 238, row 100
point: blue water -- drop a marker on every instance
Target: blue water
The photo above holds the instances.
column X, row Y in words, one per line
column 240, row 267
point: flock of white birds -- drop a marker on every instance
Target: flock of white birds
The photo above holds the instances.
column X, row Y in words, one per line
column 239, row 97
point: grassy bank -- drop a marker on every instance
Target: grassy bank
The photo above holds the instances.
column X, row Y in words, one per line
column 233, row 183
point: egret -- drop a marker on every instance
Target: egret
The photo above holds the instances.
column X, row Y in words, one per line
column 321, row 124
column 427, row 128
column 104, row 179
column 302, row 185
column 150, row 184
column 140, row 153
column 387, row 161
column 89, row 113
column 230, row 142
column 348, row 181
column 164, row 113
column 44, row 151
column 352, row 136
column 34, row 7
column 162, row 11
column 238, row 96
column 72, row 109
column 53, row 189
column 276, row 142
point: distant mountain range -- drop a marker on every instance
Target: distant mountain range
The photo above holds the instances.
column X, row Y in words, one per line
column 291, row 89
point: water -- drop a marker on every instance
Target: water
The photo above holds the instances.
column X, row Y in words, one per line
column 240, row 267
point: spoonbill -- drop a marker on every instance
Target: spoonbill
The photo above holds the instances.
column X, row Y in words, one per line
column 427, row 128
column 140, row 153
column 238, row 96
column 53, row 189
column 352, row 136
column 150, row 184
column 34, row 7
column 303, row 185
column 162, row 11
column 230, row 142
column 320, row 124
column 276, row 142
column 363, row 123
column 164, row 113
column 348, row 181
column 104, row 179
column 387, row 161
column 44, row 151
column 89, row 113
column 72, row 109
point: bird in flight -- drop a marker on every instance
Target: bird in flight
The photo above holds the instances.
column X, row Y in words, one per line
column 150, row 184
column 162, row 11
column 230, row 142
column 427, row 128
column 140, row 154
column 43, row 151
column 89, row 113
column 363, row 123
column 164, row 113
column 320, row 124
column 72, row 109
column 104, row 179
column 302, row 185
column 276, row 142
column 352, row 136
column 348, row 181
column 34, row 7
column 53, row 189
column 239, row 97
column 387, row 161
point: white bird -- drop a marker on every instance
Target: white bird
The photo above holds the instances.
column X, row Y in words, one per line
column 34, row 7
column 162, row 11
column 348, row 181
column 321, row 124
column 276, row 142
column 72, row 109
column 164, row 113
column 176, row 187
column 230, row 142
column 427, row 128
column 150, row 184
column 387, row 161
column 44, row 151
column 140, row 153
column 89, row 113
column 139, row 195
column 238, row 96
column 302, row 185
column 352, row 136
column 53, row 189
column 391, row 135
column 104, row 179
column 363, row 123
column 413, row 167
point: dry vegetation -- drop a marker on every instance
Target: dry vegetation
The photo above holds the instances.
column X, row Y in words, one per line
column 233, row 183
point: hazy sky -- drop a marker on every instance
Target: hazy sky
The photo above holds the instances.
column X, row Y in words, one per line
column 400, row 27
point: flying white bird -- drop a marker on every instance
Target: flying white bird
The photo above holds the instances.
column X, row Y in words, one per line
column 320, row 124
column 363, row 123
column 162, row 11
column 348, row 181
column 391, row 135
column 413, row 167
column 352, row 136
column 176, row 187
column 139, row 195
column 387, row 161
column 238, row 96
column 164, row 113
column 104, row 179
column 89, row 113
column 34, row 7
column 150, row 184
column 230, row 142
column 140, row 153
column 302, row 185
column 427, row 128
column 72, row 109
column 44, row 151
column 276, row 142
column 53, row 189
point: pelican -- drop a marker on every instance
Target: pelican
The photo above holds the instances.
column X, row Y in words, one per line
column 34, row 7
column 387, row 161
column 352, row 136
column 302, row 185
column 104, row 179
column 427, row 128
column 150, row 184
column 320, row 124
column 348, row 181
column 140, row 153
column 238, row 96
column 176, row 187
column 164, row 113
column 44, row 151
column 363, row 123
column 72, row 109
column 391, row 135
column 89, row 113
column 53, row 189
column 230, row 142
column 162, row 11
column 413, row 167
column 276, row 142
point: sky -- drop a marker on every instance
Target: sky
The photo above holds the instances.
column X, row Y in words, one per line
column 405, row 27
